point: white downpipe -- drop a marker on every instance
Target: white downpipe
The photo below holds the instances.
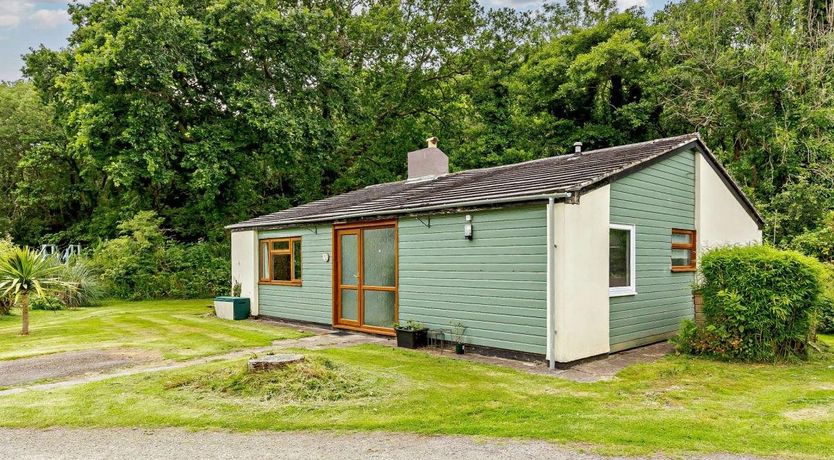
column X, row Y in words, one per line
column 551, row 273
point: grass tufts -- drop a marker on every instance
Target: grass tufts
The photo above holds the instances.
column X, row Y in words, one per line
column 316, row 379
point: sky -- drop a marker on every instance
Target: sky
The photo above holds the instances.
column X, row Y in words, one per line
column 26, row 24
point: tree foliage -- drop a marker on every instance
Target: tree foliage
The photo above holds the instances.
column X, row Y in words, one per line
column 211, row 111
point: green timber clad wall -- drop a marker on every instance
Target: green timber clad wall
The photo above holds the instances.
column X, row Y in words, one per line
column 655, row 200
column 493, row 284
column 312, row 301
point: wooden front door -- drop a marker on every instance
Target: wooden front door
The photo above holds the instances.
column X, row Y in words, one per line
column 365, row 276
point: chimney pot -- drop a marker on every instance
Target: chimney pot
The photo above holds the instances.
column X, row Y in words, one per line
column 432, row 142
column 577, row 147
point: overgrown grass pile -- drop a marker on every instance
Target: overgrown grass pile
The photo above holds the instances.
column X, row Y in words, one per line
column 760, row 304
column 313, row 380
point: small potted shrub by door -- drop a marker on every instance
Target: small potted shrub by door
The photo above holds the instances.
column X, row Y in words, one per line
column 458, row 330
column 411, row 335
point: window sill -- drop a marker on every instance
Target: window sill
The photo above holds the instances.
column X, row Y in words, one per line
column 683, row 269
column 621, row 292
column 280, row 283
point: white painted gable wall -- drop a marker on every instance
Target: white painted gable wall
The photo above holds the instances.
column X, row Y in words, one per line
column 719, row 217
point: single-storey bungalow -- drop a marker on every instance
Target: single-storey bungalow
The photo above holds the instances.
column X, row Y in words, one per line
column 568, row 257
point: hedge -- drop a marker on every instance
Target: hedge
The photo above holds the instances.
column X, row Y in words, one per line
column 760, row 304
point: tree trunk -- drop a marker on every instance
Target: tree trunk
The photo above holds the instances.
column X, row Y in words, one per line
column 24, row 313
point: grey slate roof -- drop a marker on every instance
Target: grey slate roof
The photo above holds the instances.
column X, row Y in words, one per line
column 566, row 173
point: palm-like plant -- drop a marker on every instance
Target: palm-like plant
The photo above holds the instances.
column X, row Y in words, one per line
column 24, row 272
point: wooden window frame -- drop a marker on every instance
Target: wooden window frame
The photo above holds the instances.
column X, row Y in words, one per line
column 691, row 246
column 293, row 281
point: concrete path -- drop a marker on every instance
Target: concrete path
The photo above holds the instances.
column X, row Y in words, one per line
column 330, row 340
column 131, row 444
column 595, row 370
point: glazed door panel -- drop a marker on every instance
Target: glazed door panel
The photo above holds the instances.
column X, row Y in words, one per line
column 366, row 288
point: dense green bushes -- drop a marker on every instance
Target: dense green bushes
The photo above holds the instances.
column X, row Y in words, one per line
column 144, row 264
column 6, row 303
column 825, row 323
column 760, row 304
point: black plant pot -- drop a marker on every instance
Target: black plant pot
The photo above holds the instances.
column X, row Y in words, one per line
column 459, row 348
column 407, row 338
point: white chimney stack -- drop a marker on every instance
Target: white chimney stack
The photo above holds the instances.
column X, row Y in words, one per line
column 428, row 162
column 577, row 147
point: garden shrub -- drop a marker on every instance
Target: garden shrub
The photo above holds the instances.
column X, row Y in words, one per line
column 6, row 301
column 760, row 304
column 86, row 288
column 142, row 263
column 825, row 321
column 48, row 303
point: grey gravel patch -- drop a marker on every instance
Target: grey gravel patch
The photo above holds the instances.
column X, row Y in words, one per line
column 68, row 364
column 130, row 444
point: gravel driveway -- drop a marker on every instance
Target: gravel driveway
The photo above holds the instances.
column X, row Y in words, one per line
column 72, row 363
column 132, row 444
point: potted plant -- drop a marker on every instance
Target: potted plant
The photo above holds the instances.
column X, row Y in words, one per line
column 411, row 334
column 458, row 330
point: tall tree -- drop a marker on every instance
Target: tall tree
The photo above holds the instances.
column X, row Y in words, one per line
column 38, row 181
column 207, row 111
column 756, row 78
column 592, row 84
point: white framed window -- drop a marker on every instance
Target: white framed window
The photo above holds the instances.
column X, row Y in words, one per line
column 621, row 260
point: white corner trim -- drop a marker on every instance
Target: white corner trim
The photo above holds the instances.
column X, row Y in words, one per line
column 621, row 291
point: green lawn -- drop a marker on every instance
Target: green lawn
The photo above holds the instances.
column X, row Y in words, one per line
column 677, row 405
column 175, row 329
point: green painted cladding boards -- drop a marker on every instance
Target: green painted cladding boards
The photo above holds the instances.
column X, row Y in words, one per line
column 313, row 299
column 655, row 200
column 494, row 284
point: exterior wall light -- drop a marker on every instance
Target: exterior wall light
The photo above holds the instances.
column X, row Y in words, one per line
column 467, row 228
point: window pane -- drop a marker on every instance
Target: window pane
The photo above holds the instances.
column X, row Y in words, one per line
column 280, row 245
column 619, row 272
column 296, row 253
column 681, row 238
column 281, row 267
column 350, row 305
column 379, row 308
column 350, row 259
column 681, row 258
column 379, row 258
column 264, row 261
